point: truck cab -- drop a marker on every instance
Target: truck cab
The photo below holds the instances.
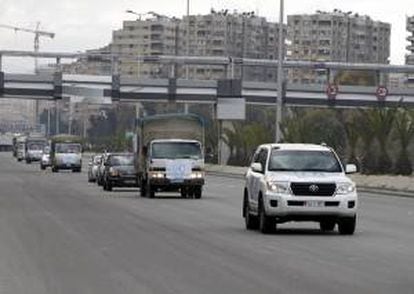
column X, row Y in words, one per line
column 34, row 148
column 66, row 153
column 171, row 155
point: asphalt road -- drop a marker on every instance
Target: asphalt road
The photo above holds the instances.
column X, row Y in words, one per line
column 59, row 234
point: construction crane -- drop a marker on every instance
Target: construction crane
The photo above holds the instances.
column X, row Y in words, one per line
column 38, row 33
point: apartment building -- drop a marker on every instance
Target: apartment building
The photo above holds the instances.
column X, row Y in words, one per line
column 409, row 58
column 240, row 35
column 215, row 34
column 150, row 37
column 336, row 36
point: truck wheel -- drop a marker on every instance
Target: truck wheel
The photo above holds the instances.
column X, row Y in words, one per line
column 142, row 191
column 42, row 167
column 108, row 186
column 267, row 224
column 346, row 225
column 183, row 192
column 28, row 161
column 327, row 225
column 150, row 193
column 54, row 169
column 198, row 192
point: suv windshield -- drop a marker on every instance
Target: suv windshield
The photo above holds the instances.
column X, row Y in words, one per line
column 121, row 160
column 303, row 160
column 176, row 150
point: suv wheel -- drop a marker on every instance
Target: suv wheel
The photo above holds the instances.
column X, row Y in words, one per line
column 327, row 225
column 347, row 225
column 251, row 221
column 267, row 224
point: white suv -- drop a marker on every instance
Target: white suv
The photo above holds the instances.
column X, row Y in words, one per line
column 299, row 182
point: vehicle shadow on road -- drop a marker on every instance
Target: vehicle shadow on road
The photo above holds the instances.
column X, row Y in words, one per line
column 303, row 232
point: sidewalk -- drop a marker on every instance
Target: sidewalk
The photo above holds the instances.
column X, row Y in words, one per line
column 387, row 185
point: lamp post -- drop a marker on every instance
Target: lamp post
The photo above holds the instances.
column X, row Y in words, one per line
column 187, row 49
column 279, row 102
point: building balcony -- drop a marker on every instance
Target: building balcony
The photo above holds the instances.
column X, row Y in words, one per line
column 410, row 48
column 409, row 59
column 410, row 38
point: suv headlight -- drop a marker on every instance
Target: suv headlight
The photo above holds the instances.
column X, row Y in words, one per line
column 345, row 188
column 279, row 187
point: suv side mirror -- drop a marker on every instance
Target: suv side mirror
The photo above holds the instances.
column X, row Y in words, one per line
column 257, row 167
column 350, row 169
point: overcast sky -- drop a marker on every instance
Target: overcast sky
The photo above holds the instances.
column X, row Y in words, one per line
column 87, row 24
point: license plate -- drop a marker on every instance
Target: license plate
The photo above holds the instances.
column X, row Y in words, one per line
column 130, row 182
column 314, row 203
column 177, row 181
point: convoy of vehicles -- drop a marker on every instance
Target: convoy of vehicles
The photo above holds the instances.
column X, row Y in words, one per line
column 170, row 155
column 66, row 153
column 299, row 182
column 284, row 183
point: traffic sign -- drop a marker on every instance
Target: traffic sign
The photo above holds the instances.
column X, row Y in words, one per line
column 382, row 93
column 332, row 91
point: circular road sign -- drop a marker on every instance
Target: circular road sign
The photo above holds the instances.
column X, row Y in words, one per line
column 332, row 91
column 382, row 93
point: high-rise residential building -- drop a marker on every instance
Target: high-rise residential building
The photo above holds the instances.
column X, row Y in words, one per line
column 149, row 37
column 409, row 58
column 216, row 34
column 410, row 29
column 240, row 35
column 336, row 36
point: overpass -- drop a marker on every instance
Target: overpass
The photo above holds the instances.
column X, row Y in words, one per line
column 99, row 88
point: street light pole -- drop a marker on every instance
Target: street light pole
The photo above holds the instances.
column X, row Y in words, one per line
column 188, row 38
column 279, row 101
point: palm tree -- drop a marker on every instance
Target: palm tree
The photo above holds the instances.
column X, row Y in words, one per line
column 378, row 125
column 404, row 129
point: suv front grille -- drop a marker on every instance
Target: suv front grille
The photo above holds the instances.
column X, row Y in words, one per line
column 313, row 189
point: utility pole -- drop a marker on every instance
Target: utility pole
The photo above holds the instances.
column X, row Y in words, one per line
column 280, row 78
column 187, row 51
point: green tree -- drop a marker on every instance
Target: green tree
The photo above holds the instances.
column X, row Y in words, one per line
column 378, row 124
column 404, row 130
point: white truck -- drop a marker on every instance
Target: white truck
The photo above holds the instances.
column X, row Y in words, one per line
column 34, row 148
column 170, row 155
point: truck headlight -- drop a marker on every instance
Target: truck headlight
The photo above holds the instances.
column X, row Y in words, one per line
column 279, row 187
column 197, row 175
column 345, row 188
column 156, row 175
